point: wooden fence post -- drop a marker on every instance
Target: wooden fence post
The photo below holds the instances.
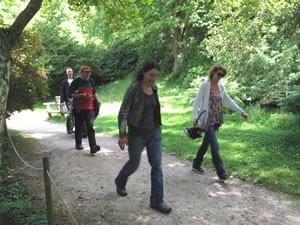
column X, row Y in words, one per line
column 47, row 181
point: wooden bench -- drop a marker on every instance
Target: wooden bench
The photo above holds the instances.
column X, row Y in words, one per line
column 60, row 108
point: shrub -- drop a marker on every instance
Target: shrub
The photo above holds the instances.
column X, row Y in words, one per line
column 28, row 80
column 291, row 102
column 118, row 60
column 156, row 43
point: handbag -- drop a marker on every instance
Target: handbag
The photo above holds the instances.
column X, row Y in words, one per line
column 96, row 107
column 194, row 132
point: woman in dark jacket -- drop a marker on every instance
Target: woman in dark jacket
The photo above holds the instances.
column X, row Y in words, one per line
column 140, row 110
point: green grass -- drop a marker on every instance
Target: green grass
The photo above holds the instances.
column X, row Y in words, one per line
column 40, row 107
column 264, row 150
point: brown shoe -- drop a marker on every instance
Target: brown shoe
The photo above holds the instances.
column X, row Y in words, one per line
column 163, row 208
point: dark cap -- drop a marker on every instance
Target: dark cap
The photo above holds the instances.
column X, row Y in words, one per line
column 85, row 68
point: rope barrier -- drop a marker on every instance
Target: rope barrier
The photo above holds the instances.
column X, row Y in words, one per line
column 75, row 222
column 27, row 164
column 48, row 173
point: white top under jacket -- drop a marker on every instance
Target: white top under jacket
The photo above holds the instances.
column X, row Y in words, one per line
column 202, row 100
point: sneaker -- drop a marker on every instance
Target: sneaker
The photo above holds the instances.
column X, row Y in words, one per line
column 69, row 131
column 79, row 147
column 163, row 208
column 198, row 169
column 95, row 149
column 225, row 177
column 121, row 190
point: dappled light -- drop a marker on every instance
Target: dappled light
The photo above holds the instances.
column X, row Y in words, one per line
column 175, row 164
column 110, row 109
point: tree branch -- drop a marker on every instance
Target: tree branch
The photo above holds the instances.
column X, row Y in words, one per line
column 186, row 23
column 23, row 19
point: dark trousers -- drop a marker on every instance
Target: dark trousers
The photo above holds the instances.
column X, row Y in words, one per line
column 210, row 139
column 87, row 116
column 71, row 121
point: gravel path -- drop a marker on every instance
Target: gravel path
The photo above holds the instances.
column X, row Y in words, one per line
column 87, row 185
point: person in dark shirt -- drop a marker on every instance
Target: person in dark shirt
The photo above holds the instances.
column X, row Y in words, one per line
column 140, row 110
column 64, row 98
column 83, row 92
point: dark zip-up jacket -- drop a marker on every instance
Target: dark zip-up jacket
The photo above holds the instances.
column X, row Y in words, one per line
column 132, row 108
column 64, row 90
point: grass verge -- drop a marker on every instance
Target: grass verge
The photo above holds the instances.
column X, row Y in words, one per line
column 21, row 188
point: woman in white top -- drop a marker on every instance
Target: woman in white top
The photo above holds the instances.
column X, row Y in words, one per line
column 210, row 99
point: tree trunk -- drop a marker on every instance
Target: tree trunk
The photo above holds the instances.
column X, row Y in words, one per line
column 4, row 83
column 178, row 46
column 8, row 38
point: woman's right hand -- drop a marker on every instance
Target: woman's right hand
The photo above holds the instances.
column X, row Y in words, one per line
column 195, row 123
column 122, row 142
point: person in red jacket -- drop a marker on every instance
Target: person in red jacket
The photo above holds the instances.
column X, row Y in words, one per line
column 83, row 91
column 65, row 99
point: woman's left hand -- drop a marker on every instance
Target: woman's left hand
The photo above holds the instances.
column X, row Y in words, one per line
column 245, row 115
column 195, row 123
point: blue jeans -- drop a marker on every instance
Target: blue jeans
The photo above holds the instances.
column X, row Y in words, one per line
column 136, row 144
column 210, row 138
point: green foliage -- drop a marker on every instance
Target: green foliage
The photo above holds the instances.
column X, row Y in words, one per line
column 118, row 60
column 291, row 102
column 9, row 10
column 115, row 14
column 185, row 25
column 62, row 51
column 156, row 44
column 173, row 34
column 15, row 201
column 257, row 42
column 28, row 80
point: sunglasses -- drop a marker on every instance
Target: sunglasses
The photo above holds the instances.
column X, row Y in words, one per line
column 220, row 74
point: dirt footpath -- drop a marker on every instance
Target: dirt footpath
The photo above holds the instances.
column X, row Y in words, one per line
column 87, row 185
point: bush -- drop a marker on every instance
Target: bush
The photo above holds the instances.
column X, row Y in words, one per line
column 61, row 52
column 258, row 44
column 291, row 103
column 28, row 80
column 117, row 61
column 156, row 43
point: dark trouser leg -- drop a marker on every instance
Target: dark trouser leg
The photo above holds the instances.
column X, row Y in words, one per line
column 89, row 116
column 79, row 116
column 154, row 151
column 201, row 152
column 136, row 145
column 84, row 129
